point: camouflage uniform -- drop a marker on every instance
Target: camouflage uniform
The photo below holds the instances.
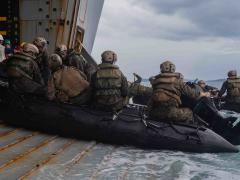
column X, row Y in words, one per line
column 165, row 103
column 77, row 60
column 141, row 94
column 24, row 74
column 136, row 89
column 68, row 84
column 42, row 61
column 139, row 90
column 202, row 87
column 61, row 50
column 110, row 87
column 232, row 86
column 42, row 58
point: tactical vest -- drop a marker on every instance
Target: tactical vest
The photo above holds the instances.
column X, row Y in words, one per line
column 108, row 80
column 69, row 82
column 20, row 65
column 233, row 87
column 164, row 88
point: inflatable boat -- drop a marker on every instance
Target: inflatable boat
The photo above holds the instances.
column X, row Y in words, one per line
column 208, row 110
column 227, row 127
column 129, row 127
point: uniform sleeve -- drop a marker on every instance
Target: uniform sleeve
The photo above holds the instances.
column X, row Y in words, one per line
column 223, row 89
column 87, row 71
column 210, row 88
column 188, row 91
column 77, row 62
column 51, row 90
column 45, row 58
column 45, row 66
column 93, row 81
column 37, row 77
column 124, row 88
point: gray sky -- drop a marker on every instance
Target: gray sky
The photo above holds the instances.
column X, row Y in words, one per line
column 202, row 37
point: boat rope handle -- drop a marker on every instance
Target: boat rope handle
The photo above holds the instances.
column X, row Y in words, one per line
column 186, row 134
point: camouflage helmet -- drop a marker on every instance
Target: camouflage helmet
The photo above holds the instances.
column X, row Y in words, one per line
column 61, row 47
column 54, row 61
column 167, row 67
column 200, row 82
column 61, row 50
column 30, row 49
column 40, row 42
column 232, row 73
column 109, row 56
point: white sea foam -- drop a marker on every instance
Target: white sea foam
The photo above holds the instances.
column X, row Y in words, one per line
column 139, row 164
column 136, row 164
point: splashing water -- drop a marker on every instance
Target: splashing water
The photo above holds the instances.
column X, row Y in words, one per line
column 136, row 164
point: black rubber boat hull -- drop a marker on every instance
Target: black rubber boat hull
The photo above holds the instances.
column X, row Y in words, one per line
column 127, row 129
column 216, row 122
column 227, row 127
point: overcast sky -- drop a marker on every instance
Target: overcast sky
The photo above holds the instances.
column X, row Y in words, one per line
column 202, row 37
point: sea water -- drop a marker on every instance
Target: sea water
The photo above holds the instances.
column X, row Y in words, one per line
column 137, row 164
column 130, row 163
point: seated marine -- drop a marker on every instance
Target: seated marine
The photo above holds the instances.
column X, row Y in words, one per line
column 42, row 58
column 23, row 72
column 110, row 86
column 232, row 87
column 206, row 88
column 139, row 93
column 168, row 89
column 75, row 58
column 67, row 84
column 61, row 50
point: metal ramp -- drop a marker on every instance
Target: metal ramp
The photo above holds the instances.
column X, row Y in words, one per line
column 33, row 155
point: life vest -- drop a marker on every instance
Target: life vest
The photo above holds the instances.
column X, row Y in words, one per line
column 69, row 82
column 20, row 65
column 108, row 80
column 165, row 88
column 233, row 87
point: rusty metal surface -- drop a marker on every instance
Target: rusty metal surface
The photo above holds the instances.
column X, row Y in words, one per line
column 32, row 155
